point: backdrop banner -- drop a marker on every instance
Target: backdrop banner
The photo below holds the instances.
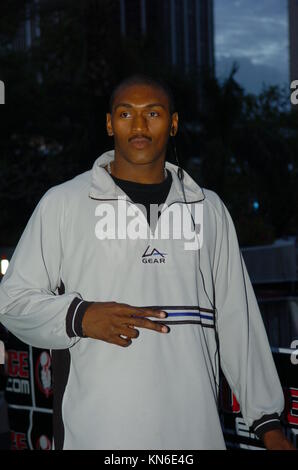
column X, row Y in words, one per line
column 29, row 395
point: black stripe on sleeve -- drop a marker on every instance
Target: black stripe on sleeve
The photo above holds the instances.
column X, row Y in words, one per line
column 79, row 318
column 74, row 317
column 265, row 424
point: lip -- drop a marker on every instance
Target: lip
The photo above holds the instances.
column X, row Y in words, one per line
column 140, row 143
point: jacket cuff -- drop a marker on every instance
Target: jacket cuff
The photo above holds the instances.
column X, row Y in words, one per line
column 74, row 317
column 265, row 424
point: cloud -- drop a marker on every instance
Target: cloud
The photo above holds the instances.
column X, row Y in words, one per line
column 256, row 34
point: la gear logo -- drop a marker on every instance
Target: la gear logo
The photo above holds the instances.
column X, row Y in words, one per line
column 154, row 256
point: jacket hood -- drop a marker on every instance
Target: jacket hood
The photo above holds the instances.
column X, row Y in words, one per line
column 104, row 187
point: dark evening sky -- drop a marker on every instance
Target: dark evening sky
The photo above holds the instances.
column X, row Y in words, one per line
column 254, row 33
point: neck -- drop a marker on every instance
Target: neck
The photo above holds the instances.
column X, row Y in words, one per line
column 147, row 173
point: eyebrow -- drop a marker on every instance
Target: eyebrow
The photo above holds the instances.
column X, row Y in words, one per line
column 128, row 105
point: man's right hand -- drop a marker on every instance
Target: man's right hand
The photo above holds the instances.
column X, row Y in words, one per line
column 108, row 320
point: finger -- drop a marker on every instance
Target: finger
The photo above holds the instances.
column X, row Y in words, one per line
column 122, row 341
column 149, row 312
column 150, row 325
column 130, row 331
column 143, row 311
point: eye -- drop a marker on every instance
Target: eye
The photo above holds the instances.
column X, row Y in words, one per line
column 153, row 114
column 124, row 114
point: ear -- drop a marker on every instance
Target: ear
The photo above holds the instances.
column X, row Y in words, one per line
column 174, row 124
column 109, row 124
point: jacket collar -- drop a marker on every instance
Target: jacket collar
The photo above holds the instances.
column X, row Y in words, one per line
column 104, row 187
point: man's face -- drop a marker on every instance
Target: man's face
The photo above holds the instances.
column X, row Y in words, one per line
column 141, row 123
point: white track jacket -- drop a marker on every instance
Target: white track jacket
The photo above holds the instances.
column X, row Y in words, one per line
column 160, row 392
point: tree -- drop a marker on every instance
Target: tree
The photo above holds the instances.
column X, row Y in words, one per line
column 249, row 146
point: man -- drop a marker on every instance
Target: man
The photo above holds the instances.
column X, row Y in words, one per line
column 140, row 323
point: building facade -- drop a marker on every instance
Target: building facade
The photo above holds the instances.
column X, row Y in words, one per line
column 183, row 28
column 29, row 30
column 180, row 32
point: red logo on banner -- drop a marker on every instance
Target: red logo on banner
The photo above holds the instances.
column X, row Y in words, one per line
column 17, row 364
column 292, row 405
column 43, row 443
column 43, row 373
column 18, row 441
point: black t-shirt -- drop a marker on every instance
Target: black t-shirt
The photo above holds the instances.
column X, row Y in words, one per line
column 146, row 194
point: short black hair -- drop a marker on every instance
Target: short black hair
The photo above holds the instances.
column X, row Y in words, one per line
column 140, row 79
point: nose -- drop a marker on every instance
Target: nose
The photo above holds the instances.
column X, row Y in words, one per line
column 139, row 122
